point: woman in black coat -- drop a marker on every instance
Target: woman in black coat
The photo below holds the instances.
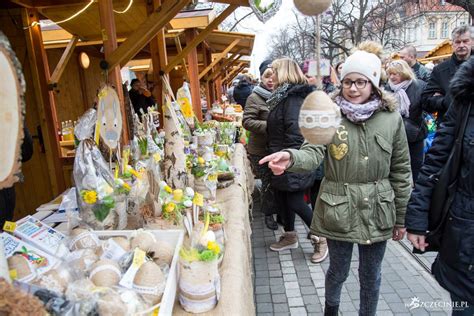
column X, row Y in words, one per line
column 454, row 266
column 403, row 83
column 283, row 133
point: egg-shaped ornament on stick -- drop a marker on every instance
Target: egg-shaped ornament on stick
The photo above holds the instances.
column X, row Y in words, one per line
column 312, row 7
column 319, row 118
column 109, row 117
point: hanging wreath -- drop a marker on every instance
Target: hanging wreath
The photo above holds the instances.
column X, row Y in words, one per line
column 265, row 9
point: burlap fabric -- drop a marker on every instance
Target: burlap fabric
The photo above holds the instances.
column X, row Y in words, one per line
column 236, row 270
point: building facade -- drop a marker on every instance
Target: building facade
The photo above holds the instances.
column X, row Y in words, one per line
column 429, row 22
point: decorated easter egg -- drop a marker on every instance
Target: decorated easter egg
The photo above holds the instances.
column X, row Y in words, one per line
column 319, row 118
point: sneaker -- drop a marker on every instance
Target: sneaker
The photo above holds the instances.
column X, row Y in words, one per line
column 320, row 249
column 287, row 241
column 270, row 222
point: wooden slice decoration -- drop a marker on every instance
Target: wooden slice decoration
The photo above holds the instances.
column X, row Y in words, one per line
column 109, row 117
column 312, row 7
column 11, row 114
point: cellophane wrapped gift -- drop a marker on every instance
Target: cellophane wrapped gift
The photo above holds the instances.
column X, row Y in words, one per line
column 94, row 180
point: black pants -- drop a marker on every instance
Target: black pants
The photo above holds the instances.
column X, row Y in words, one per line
column 263, row 173
column 7, row 205
column 416, row 157
column 290, row 204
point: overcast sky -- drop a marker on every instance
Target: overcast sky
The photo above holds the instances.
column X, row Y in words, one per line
column 264, row 31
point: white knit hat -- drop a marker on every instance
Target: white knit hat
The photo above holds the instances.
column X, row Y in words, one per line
column 364, row 63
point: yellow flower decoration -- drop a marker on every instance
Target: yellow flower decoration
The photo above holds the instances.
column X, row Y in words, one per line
column 90, row 196
column 178, row 195
column 214, row 247
column 168, row 189
column 170, row 207
column 201, row 161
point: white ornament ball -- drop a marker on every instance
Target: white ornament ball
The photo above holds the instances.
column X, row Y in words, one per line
column 312, row 7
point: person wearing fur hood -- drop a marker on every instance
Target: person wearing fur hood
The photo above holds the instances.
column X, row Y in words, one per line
column 367, row 182
column 453, row 268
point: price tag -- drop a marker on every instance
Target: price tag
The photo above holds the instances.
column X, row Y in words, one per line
column 13, row 274
column 198, row 199
column 157, row 157
column 9, row 226
column 138, row 257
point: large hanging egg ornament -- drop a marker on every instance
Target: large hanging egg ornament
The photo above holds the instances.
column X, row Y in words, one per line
column 11, row 114
column 312, row 7
column 319, row 118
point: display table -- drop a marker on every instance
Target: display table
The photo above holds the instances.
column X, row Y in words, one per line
column 236, row 269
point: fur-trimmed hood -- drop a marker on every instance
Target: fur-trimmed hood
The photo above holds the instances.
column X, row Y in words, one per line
column 462, row 84
column 389, row 101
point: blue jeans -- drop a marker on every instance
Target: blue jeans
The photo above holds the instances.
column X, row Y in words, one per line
column 465, row 309
column 370, row 266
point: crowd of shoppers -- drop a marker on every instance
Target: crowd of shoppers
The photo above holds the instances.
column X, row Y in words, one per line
column 372, row 183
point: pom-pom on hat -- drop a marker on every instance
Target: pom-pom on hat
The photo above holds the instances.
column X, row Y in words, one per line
column 364, row 63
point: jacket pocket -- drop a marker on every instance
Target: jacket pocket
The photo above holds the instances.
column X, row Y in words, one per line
column 457, row 246
column 385, row 216
column 384, row 144
column 336, row 213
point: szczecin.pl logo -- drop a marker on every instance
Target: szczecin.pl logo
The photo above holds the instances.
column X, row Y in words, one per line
column 415, row 303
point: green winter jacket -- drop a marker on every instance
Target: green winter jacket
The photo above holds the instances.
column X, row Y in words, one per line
column 367, row 182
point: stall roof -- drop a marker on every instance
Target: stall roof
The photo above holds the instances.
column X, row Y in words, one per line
column 442, row 48
column 55, row 37
column 87, row 24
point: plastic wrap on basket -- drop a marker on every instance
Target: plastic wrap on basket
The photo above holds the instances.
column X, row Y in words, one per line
column 94, row 181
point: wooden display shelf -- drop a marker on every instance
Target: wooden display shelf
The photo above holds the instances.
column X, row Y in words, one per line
column 66, row 143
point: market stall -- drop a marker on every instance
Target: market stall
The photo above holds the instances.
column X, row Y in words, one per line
column 157, row 203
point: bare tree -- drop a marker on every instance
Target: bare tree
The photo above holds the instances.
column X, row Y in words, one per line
column 345, row 25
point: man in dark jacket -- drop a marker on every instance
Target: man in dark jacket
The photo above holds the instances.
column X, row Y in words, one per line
column 7, row 195
column 243, row 90
column 140, row 97
column 437, row 97
column 408, row 54
column 453, row 268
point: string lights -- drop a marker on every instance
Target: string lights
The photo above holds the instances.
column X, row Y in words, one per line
column 126, row 9
column 49, row 22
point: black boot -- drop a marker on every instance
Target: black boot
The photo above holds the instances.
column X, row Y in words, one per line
column 270, row 222
column 331, row 310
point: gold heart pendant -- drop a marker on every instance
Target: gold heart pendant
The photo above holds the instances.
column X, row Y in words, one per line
column 338, row 152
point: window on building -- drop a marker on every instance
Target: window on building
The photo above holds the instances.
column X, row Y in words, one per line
column 432, row 30
column 462, row 23
column 444, row 29
column 443, row 2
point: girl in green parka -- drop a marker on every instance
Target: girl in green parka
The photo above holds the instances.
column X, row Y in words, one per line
column 367, row 183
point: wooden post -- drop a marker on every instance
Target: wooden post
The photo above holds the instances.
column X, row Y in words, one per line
column 159, row 58
column 207, row 60
column 218, row 87
column 194, row 74
column 61, row 66
column 45, row 99
column 210, row 83
column 109, row 37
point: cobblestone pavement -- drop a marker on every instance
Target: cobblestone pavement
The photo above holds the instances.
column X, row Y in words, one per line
column 288, row 283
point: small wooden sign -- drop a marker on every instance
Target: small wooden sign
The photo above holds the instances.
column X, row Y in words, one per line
column 11, row 114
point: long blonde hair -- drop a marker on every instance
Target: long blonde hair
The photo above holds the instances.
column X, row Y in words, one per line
column 401, row 67
column 288, row 71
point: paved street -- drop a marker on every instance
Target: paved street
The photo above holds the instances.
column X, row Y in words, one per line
column 288, row 283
